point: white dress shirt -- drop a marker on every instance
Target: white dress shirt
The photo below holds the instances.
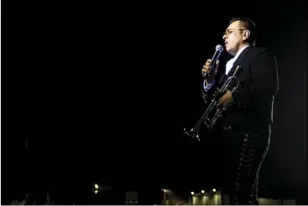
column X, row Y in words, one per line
column 230, row 63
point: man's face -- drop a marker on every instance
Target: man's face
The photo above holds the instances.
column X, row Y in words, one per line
column 234, row 37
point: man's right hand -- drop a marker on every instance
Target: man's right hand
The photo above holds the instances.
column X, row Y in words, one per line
column 210, row 76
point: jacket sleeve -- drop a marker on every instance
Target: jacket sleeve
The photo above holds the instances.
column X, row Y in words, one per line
column 262, row 81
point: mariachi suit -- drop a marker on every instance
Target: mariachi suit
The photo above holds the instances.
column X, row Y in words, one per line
column 246, row 124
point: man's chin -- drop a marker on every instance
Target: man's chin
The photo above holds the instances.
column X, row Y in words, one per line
column 230, row 51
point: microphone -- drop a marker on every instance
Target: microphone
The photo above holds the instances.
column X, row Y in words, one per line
column 218, row 51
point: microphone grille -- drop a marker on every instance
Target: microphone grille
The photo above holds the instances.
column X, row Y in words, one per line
column 219, row 48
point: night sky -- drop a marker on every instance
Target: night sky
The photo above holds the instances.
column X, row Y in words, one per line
column 102, row 92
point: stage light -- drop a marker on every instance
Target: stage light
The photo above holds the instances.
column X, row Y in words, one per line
column 192, row 193
column 214, row 190
column 202, row 191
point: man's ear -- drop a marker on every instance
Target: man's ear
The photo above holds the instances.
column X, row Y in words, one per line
column 246, row 34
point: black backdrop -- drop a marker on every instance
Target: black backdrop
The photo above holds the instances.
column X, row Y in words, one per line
column 102, row 92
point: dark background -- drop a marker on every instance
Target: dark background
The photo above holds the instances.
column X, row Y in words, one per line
column 102, row 92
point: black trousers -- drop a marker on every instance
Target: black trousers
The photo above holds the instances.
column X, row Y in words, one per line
column 244, row 152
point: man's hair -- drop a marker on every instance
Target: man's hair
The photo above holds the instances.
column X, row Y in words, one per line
column 249, row 25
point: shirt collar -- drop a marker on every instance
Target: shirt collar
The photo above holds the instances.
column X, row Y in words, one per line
column 239, row 52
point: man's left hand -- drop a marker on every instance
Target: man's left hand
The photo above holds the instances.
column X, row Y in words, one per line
column 225, row 99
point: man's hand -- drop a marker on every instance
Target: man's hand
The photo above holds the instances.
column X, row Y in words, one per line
column 206, row 70
column 225, row 99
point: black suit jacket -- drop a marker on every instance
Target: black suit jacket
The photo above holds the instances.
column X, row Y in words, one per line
column 252, row 106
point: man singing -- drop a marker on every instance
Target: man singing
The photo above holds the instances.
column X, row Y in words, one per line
column 246, row 124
